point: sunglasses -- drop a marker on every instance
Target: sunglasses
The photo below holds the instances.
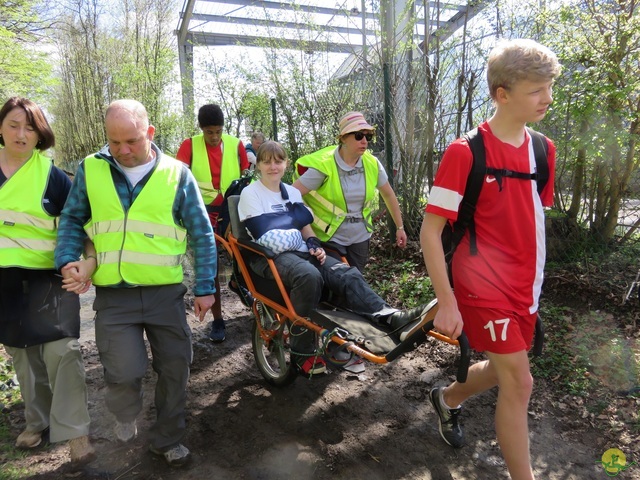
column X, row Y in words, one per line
column 360, row 135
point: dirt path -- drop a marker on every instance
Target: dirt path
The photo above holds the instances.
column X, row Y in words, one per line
column 378, row 425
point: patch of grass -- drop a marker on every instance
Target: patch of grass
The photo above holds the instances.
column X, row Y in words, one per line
column 586, row 352
column 9, row 390
column 9, row 453
column 559, row 362
column 402, row 284
column 9, row 396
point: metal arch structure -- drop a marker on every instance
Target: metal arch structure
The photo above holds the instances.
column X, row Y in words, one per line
column 344, row 30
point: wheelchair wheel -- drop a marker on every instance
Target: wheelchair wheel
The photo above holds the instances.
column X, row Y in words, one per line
column 270, row 342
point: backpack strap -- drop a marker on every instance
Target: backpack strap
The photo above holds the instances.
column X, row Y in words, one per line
column 283, row 191
column 541, row 154
column 500, row 173
column 475, row 181
column 471, row 193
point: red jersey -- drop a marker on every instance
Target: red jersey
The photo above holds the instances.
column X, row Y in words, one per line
column 215, row 161
column 507, row 271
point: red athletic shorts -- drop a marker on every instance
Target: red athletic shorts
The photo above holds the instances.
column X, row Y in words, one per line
column 497, row 331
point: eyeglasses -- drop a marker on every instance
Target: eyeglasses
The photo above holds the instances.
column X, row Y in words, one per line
column 360, row 135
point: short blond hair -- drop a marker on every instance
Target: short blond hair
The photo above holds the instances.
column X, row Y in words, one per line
column 520, row 59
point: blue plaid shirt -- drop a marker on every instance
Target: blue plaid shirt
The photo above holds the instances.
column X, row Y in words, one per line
column 188, row 211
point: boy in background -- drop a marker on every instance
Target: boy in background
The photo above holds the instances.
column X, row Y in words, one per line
column 215, row 159
column 495, row 300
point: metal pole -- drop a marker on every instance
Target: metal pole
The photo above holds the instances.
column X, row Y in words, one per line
column 387, row 17
column 364, row 35
column 274, row 123
column 388, row 144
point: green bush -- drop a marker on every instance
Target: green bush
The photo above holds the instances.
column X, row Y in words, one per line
column 9, row 390
column 9, row 396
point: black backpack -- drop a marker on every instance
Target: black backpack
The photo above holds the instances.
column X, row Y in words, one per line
column 235, row 188
column 452, row 234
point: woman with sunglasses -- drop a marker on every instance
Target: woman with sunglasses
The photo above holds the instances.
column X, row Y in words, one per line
column 341, row 183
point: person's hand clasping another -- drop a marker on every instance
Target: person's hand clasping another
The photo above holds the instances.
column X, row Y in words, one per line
column 315, row 249
column 202, row 305
column 76, row 276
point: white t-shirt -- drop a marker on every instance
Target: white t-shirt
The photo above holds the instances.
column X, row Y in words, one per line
column 135, row 174
column 256, row 200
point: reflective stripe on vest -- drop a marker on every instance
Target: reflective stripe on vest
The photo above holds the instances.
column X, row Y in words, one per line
column 229, row 169
column 142, row 246
column 327, row 202
column 27, row 231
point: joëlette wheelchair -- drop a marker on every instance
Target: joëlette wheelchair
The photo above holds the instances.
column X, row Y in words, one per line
column 351, row 333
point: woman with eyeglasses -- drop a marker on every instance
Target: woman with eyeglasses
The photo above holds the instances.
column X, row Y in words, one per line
column 341, row 183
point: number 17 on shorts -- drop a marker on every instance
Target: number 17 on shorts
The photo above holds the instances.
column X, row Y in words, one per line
column 497, row 331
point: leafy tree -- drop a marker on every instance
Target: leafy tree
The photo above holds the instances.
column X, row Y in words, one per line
column 23, row 70
column 599, row 100
column 127, row 52
column 82, row 94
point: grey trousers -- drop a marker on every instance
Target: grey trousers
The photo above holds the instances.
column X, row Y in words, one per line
column 53, row 387
column 124, row 316
column 357, row 254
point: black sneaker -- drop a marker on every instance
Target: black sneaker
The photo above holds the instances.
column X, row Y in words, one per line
column 217, row 334
column 450, row 431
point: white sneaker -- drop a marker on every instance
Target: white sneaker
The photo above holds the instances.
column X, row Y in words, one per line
column 125, row 431
column 175, row 456
column 355, row 365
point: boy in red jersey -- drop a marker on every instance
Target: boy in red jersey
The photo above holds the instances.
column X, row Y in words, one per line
column 496, row 288
column 215, row 159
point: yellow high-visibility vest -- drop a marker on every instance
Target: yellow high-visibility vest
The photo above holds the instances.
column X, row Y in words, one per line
column 142, row 246
column 27, row 230
column 229, row 170
column 327, row 202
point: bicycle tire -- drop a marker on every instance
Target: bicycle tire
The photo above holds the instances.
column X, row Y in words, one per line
column 272, row 354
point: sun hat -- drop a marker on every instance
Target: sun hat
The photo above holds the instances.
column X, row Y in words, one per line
column 353, row 122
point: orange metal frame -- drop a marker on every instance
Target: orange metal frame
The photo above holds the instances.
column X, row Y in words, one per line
column 287, row 312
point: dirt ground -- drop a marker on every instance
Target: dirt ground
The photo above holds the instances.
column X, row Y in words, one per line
column 376, row 425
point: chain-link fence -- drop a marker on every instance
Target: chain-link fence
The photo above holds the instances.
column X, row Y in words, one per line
column 423, row 91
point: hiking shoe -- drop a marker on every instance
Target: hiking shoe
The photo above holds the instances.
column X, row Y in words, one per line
column 125, row 431
column 81, row 451
column 217, row 333
column 175, row 456
column 450, row 431
column 29, row 439
column 245, row 295
column 310, row 365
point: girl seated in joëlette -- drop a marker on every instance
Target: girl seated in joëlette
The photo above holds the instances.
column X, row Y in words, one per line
column 275, row 217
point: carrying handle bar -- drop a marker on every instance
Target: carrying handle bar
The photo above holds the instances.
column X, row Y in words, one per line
column 420, row 335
